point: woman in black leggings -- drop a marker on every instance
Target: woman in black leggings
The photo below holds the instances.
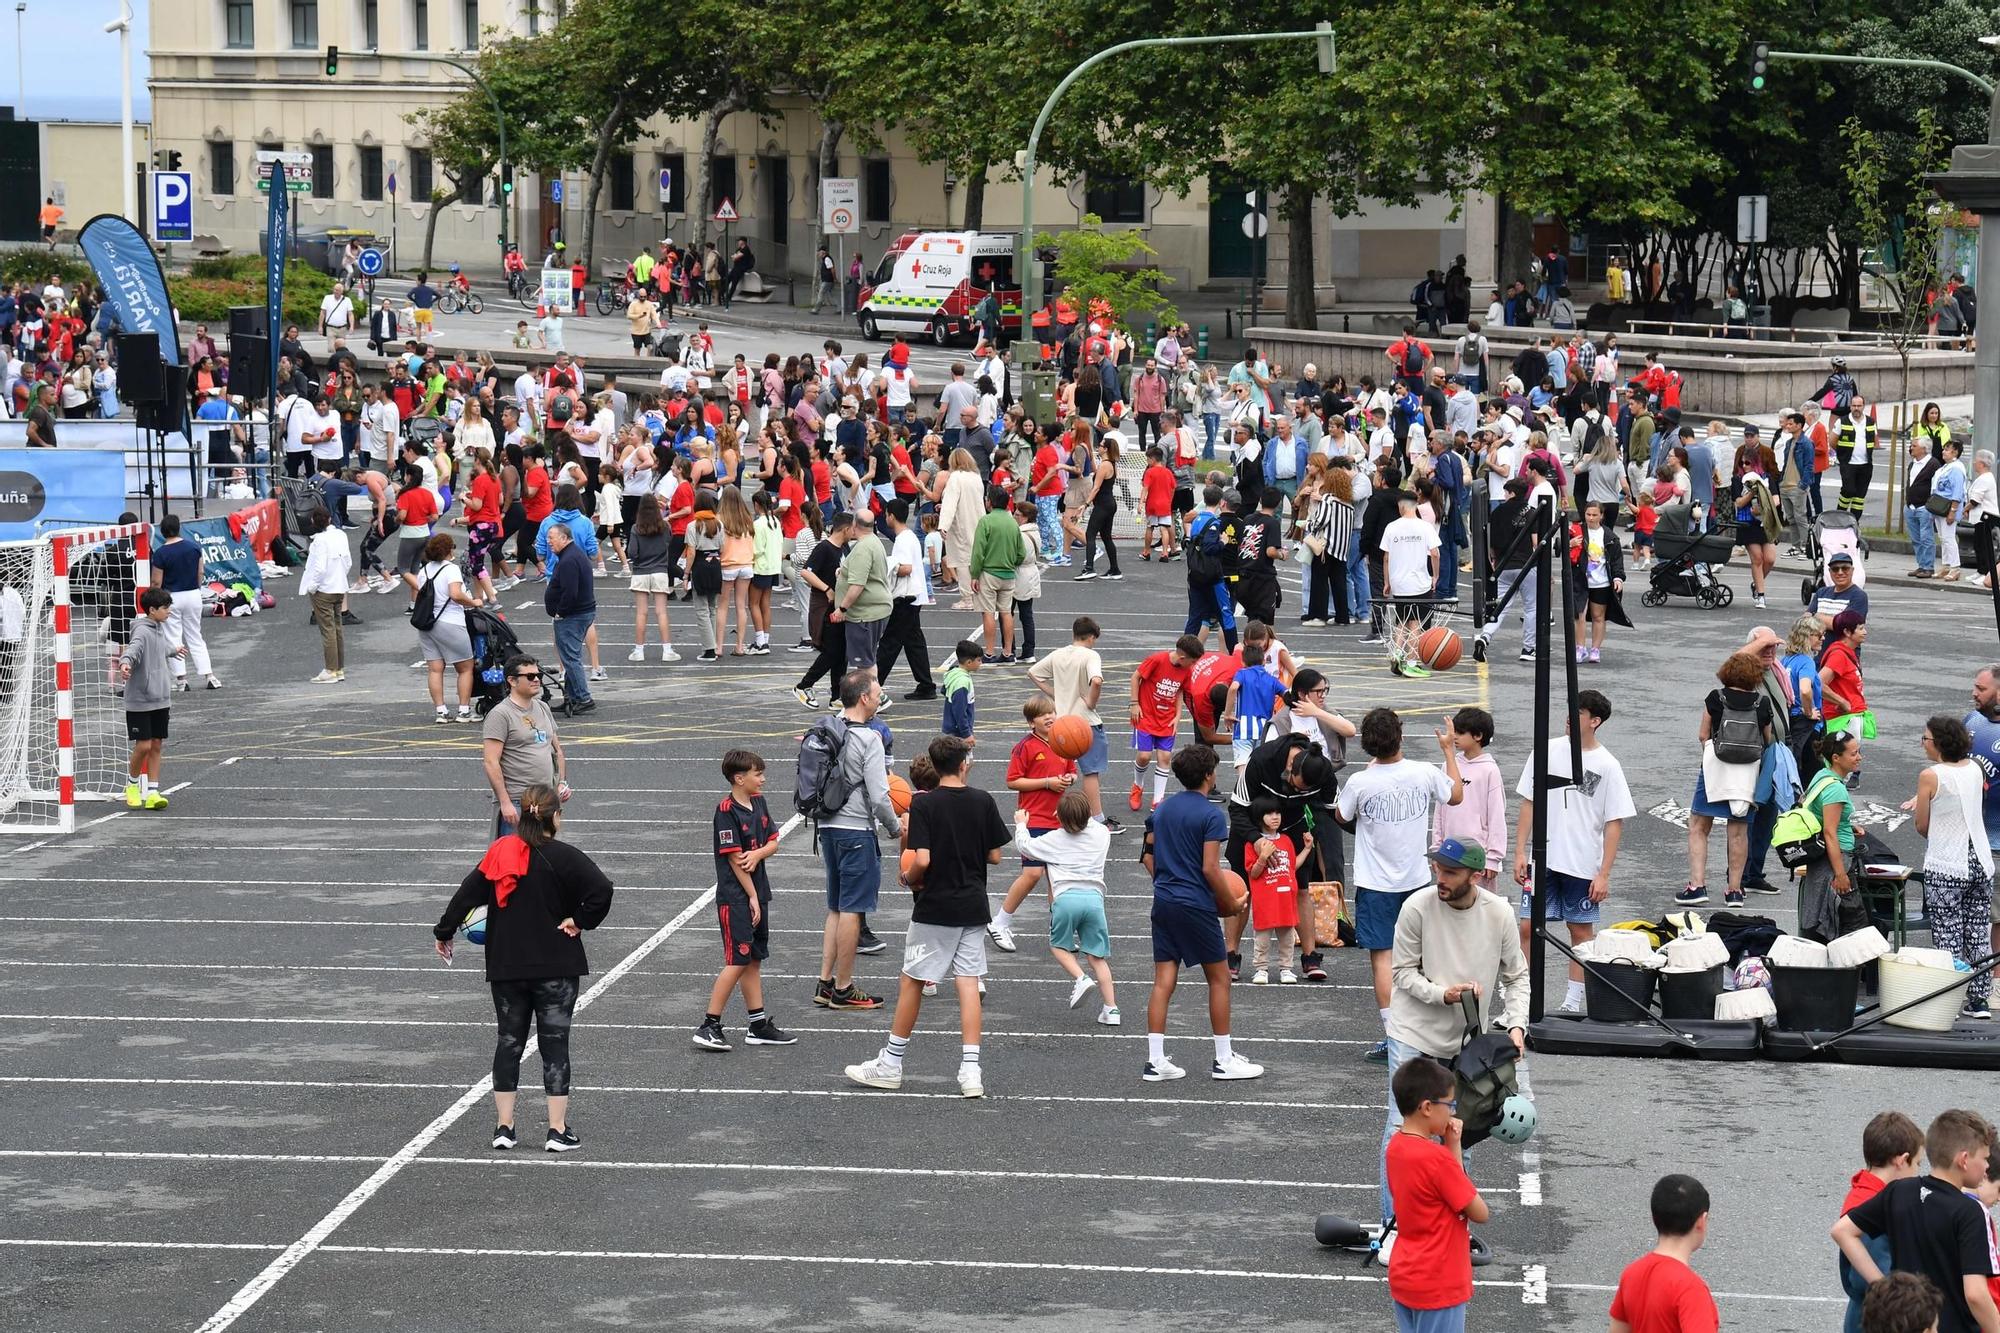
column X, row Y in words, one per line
column 540, row 895
column 1103, row 508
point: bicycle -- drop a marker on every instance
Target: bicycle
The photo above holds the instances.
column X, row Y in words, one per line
column 451, row 301
column 524, row 289
column 615, row 296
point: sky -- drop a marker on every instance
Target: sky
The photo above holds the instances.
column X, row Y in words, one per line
column 70, row 63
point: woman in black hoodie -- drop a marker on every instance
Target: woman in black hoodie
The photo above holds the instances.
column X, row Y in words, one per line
column 540, row 895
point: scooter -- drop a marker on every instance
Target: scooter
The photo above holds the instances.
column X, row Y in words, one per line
column 1376, row 1241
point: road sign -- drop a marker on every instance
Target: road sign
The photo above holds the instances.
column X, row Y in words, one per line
column 555, row 192
column 297, row 167
column 1753, row 218
column 557, row 294
column 172, row 213
column 370, row 263
column 1255, row 225
column 666, row 184
column 840, row 200
column 727, row 211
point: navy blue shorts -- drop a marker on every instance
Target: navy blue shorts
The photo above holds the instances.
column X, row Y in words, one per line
column 1569, row 900
column 1375, row 913
column 853, row 862
column 1189, row 936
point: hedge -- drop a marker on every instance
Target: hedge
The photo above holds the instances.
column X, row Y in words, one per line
column 211, row 286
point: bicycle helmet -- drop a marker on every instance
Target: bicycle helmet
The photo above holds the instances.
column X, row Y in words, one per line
column 1517, row 1120
column 559, row 245
column 454, row 268
column 1840, row 363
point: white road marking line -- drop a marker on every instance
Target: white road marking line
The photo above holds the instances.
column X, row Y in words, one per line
column 31, row 846
column 1534, row 1284
column 1531, row 1155
column 231, row 762
column 253, row 1291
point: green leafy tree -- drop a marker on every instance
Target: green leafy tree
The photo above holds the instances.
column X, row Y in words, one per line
column 1109, row 265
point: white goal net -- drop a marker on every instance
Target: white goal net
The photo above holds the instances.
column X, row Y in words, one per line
column 67, row 601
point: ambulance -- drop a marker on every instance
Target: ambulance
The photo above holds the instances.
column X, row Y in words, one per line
column 929, row 283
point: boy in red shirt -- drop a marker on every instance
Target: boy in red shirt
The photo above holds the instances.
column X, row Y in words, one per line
column 1890, row 1146
column 1274, row 891
column 1158, row 686
column 1659, row 1292
column 1038, row 777
column 1430, row 1266
column 1158, row 484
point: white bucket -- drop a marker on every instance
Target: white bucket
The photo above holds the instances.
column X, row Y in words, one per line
column 1630, row 945
column 1738, row 1005
column 1792, row 951
column 1696, row 952
column 1856, row 948
column 1904, row 981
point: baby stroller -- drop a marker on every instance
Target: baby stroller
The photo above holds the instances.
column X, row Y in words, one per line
column 1835, row 531
column 493, row 642
column 1687, row 560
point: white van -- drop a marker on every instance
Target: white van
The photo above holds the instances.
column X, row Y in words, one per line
column 929, row 283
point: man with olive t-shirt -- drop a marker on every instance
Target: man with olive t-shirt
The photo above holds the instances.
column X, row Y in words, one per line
column 521, row 746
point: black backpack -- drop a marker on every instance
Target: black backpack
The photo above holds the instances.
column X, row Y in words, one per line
column 424, row 611
column 822, row 786
column 1204, row 554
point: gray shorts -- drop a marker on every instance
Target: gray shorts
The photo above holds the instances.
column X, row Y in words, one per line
column 864, row 637
column 932, row 953
column 446, row 642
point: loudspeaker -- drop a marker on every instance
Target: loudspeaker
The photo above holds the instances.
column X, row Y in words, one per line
column 170, row 412
column 142, row 376
column 249, row 366
column 249, row 321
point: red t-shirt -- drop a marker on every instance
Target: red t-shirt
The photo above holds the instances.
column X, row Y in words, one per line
column 542, row 503
column 1431, row 1266
column 1033, row 758
column 417, row 506
column 1161, row 686
column 1158, row 484
column 486, row 490
column 791, row 516
column 900, row 456
column 1657, row 1294
column 1046, row 472
column 822, row 481
column 1212, row 670
column 1865, row 1186
column 1274, row 895
column 1646, row 520
column 1846, row 682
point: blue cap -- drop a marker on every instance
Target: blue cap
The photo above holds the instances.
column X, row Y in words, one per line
column 1452, row 852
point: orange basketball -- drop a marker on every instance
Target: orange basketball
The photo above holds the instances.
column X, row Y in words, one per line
column 905, row 864
column 900, row 793
column 1439, row 648
column 1069, row 736
column 1236, row 887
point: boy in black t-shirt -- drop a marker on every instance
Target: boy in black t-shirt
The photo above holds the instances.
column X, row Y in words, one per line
column 744, row 840
column 1934, row 1227
column 955, row 832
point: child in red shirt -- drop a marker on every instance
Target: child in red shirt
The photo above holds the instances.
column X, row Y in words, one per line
column 1659, row 1292
column 1890, row 1146
column 1158, row 484
column 1644, row 523
column 1430, row 1266
column 1158, row 686
column 1274, row 891
column 1038, row 777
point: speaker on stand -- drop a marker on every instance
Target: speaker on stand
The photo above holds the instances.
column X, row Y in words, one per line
column 143, row 376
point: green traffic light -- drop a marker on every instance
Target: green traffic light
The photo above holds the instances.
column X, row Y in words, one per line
column 1757, row 83
column 332, row 61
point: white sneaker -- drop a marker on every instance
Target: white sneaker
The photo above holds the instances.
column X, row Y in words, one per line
column 1162, row 1070
column 1108, row 1016
column 1570, row 1007
column 638, row 653
column 1235, row 1067
column 417, row 665
column 1287, row 977
column 1261, row 977
column 876, row 1074
column 388, row 586
column 326, row 678
column 930, row 989
column 668, row 654
column 1080, row 988
column 969, row 1083
column 598, row 673
column 1003, row 938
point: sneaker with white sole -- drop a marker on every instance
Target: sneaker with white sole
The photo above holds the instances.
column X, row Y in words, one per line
column 710, row 1036
column 1108, row 1016
column 326, row 678
column 598, row 673
column 969, row 1082
column 667, row 653
column 930, row 989
column 806, row 698
column 503, row 1137
column 638, row 653
column 1003, row 938
column 876, row 1074
column 1261, row 977
column 1235, row 1067
column 1570, row 1007
column 563, row 1140
column 1162, row 1070
column 1080, row 988
column 1287, row 977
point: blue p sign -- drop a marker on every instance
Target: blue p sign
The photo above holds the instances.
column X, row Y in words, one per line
column 173, row 206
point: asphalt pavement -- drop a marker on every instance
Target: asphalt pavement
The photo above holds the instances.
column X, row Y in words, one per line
column 245, row 1094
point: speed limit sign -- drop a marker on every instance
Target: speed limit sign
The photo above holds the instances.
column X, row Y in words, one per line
column 841, row 202
column 840, row 219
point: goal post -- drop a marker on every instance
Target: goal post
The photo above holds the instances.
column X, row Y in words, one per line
column 67, row 600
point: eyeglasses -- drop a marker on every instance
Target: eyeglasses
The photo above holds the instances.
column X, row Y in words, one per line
column 1448, row 1103
column 527, row 675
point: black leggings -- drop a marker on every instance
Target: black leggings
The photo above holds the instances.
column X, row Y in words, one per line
column 548, row 1004
column 371, row 545
column 1098, row 530
column 832, row 659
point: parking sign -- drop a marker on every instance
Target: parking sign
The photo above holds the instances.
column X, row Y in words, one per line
column 172, row 214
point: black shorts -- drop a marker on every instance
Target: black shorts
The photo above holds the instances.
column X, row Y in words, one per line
column 1600, row 596
column 1183, row 499
column 1750, row 532
column 742, row 942
column 1410, row 610
column 149, row 725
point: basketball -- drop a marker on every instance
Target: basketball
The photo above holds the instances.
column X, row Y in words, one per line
column 1236, row 887
column 1439, row 648
column 900, row 793
column 1069, row 736
column 904, row 865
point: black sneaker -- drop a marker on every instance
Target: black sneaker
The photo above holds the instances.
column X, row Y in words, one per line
column 503, row 1137
column 349, row 618
column 1761, row 886
column 563, row 1140
column 823, row 994
column 1315, row 966
column 764, row 1032
column 869, row 943
column 710, row 1036
column 925, row 692
column 1113, row 825
column 1235, row 966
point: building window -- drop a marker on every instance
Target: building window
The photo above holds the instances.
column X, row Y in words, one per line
column 623, row 187
column 420, row 176
column 721, row 182
column 222, row 168
column 371, row 25
column 534, row 14
column 420, row 25
column 877, row 197
column 305, row 24
column 322, row 156
column 1115, row 198
column 469, row 13
column 239, row 18
column 676, row 165
column 371, row 174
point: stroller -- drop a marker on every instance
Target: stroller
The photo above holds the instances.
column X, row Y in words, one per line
column 1836, row 530
column 1687, row 561
column 493, row 642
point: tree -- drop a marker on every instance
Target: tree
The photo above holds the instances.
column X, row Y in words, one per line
column 1100, row 265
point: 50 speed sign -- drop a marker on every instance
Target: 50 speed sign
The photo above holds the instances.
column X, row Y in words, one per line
column 840, row 203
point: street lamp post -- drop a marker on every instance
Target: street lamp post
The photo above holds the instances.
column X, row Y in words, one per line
column 1031, row 285
column 20, row 59
column 122, row 25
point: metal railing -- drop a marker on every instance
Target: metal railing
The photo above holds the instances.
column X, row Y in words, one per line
column 1792, row 333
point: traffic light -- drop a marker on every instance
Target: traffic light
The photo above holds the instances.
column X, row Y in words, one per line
column 1323, row 41
column 332, row 61
column 507, row 178
column 159, row 159
column 1760, row 60
column 173, row 159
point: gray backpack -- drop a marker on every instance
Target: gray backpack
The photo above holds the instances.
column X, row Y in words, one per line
column 823, row 787
column 1739, row 740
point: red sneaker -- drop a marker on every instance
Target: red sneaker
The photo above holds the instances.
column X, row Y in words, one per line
column 1136, row 797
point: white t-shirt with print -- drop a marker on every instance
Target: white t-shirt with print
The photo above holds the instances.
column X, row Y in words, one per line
column 1579, row 811
column 1391, row 805
column 1407, row 544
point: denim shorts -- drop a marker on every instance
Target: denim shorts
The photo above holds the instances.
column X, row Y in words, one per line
column 853, row 863
column 1569, row 900
column 1375, row 913
column 1097, row 758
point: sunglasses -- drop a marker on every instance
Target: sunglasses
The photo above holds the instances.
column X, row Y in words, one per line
column 527, row 675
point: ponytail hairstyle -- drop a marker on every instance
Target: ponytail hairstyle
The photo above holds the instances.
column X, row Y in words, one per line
column 540, row 809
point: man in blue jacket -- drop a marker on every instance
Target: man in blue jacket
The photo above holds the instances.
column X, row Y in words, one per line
column 566, row 515
column 1285, row 460
column 571, row 601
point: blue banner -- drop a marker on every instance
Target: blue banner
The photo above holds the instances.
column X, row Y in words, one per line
column 42, row 489
column 277, row 231
column 229, row 558
column 129, row 272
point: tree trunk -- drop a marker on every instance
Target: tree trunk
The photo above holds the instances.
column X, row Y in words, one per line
column 829, row 165
column 598, row 166
column 711, row 127
column 1301, row 309
column 975, row 196
column 439, row 202
column 1517, row 245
